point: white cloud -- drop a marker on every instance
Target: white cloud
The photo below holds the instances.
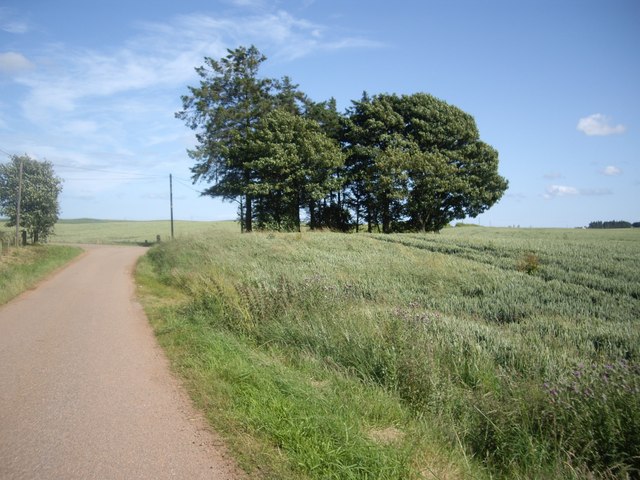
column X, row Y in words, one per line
column 599, row 125
column 611, row 170
column 561, row 191
column 554, row 191
column 12, row 62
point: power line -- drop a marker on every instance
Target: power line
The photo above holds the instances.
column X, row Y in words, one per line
column 6, row 153
column 187, row 186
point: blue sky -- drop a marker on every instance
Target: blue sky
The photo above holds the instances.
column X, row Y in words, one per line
column 553, row 86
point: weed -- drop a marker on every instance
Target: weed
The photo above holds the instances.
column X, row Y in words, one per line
column 529, row 263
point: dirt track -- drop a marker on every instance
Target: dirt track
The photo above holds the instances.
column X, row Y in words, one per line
column 85, row 392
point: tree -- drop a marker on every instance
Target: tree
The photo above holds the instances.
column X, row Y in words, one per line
column 416, row 161
column 39, row 207
column 332, row 211
column 377, row 161
column 294, row 165
column 224, row 110
column 612, row 224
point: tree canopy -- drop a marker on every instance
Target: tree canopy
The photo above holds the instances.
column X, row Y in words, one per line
column 294, row 165
column 408, row 162
column 225, row 110
column 613, row 224
column 39, row 207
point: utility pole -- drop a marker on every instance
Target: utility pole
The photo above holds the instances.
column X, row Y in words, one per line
column 171, row 202
column 19, row 202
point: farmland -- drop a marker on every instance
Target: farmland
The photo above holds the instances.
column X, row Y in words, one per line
column 127, row 232
column 473, row 353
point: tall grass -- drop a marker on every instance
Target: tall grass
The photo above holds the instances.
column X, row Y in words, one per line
column 22, row 268
column 527, row 372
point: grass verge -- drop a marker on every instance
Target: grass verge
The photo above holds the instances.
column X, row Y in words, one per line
column 290, row 416
column 22, row 268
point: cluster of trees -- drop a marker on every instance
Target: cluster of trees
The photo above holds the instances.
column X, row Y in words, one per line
column 392, row 162
column 38, row 187
column 614, row 224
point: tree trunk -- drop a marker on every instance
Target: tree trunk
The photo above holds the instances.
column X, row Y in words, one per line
column 312, row 214
column 248, row 214
column 297, row 213
column 386, row 218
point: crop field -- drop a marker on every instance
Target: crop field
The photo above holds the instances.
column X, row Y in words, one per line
column 474, row 353
column 129, row 232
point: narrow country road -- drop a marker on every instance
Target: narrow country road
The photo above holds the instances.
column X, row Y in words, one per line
column 86, row 393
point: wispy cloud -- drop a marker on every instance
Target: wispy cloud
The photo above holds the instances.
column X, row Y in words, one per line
column 247, row 3
column 599, row 125
column 163, row 55
column 10, row 24
column 96, row 107
column 554, row 191
column 13, row 62
column 611, row 171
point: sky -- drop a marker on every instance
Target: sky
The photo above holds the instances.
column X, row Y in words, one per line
column 554, row 86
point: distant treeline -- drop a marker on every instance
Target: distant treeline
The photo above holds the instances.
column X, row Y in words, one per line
column 614, row 224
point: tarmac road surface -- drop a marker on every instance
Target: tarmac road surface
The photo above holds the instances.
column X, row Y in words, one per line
column 85, row 391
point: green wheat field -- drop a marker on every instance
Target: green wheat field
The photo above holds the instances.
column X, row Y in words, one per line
column 474, row 353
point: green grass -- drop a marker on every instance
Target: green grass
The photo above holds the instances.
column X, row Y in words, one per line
column 288, row 417
column 22, row 268
column 490, row 352
column 130, row 232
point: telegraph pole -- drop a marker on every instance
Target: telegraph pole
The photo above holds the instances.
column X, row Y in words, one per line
column 19, row 201
column 171, row 202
